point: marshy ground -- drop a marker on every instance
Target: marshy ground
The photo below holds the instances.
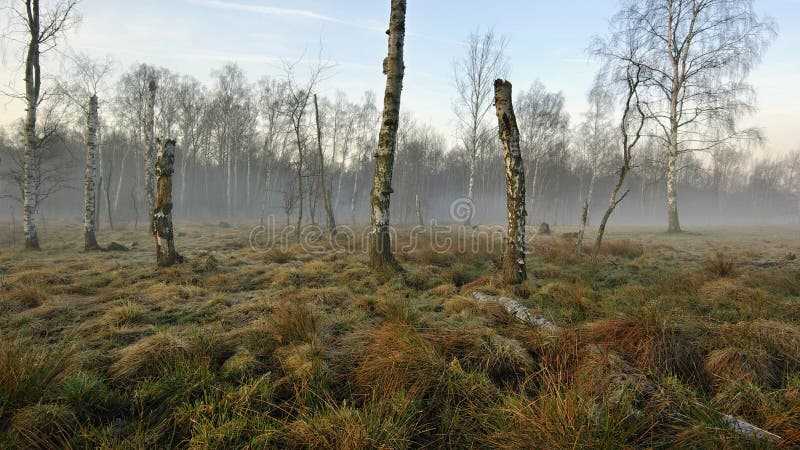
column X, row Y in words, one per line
column 246, row 348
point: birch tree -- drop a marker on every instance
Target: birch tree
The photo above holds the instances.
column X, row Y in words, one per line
column 513, row 265
column 696, row 56
column 326, row 193
column 44, row 29
column 298, row 95
column 543, row 124
column 150, row 144
column 88, row 78
column 380, row 245
column 90, row 193
column 595, row 142
column 474, row 74
column 631, row 126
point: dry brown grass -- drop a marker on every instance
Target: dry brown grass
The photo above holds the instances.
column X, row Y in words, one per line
column 26, row 296
column 241, row 349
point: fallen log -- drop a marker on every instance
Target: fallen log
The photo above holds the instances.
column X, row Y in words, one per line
column 517, row 310
column 522, row 313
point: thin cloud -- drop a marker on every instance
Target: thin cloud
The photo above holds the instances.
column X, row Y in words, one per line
column 275, row 11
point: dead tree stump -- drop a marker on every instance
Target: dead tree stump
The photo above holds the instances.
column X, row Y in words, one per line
column 514, row 270
column 163, row 233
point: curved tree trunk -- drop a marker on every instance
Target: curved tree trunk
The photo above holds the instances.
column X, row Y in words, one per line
column 90, row 196
column 513, row 268
column 163, row 232
column 380, row 245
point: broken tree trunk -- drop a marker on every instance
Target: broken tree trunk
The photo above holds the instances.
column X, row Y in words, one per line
column 326, row 193
column 643, row 383
column 514, row 270
column 517, row 310
column 380, row 245
column 90, row 194
column 163, row 233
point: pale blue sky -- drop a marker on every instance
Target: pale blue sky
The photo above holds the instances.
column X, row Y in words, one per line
column 547, row 41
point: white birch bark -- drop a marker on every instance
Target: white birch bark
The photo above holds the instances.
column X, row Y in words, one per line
column 33, row 83
column 326, row 193
column 514, row 270
column 380, row 249
column 90, row 194
column 150, row 144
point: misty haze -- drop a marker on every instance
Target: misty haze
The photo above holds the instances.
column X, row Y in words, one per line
column 399, row 224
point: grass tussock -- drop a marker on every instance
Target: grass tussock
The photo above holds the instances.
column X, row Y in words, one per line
column 720, row 265
column 25, row 297
column 288, row 349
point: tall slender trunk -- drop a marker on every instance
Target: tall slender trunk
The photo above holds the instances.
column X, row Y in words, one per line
column 247, row 182
column 585, row 214
column 299, row 181
column 163, row 232
column 184, row 161
column 330, row 220
column 419, row 211
column 265, row 204
column 150, row 144
column 119, row 180
column 90, row 195
column 341, row 174
column 355, row 193
column 229, row 188
column 533, row 187
column 380, row 248
column 33, row 82
column 674, row 225
column 470, row 184
column 514, row 270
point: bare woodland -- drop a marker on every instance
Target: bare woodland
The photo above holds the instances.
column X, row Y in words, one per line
column 575, row 326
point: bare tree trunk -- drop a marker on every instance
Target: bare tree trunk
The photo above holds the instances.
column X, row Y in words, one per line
column 97, row 204
column 470, row 185
column 163, row 232
column 514, row 270
column 119, row 181
column 674, row 225
column 341, row 174
column 299, row 189
column 33, row 84
column 355, row 193
column 612, row 205
column 229, row 188
column 380, row 248
column 13, row 230
column 419, row 211
column 533, row 187
column 330, row 220
column 108, row 199
column 150, row 144
column 90, row 195
column 247, row 188
column 585, row 214
column 184, row 161
column 628, row 143
column 265, row 204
